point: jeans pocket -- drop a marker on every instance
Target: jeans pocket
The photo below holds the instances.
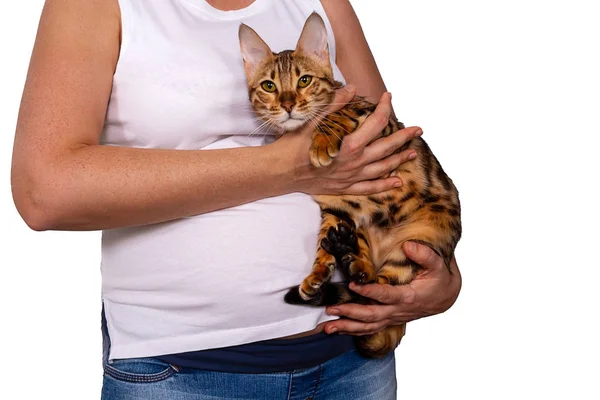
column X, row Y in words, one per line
column 140, row 370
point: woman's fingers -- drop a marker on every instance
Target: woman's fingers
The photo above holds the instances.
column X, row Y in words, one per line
column 387, row 294
column 376, row 162
column 356, row 328
column 362, row 313
column 372, row 127
column 387, row 165
column 371, row 187
column 385, row 146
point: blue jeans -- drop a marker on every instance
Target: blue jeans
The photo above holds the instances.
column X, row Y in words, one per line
column 346, row 377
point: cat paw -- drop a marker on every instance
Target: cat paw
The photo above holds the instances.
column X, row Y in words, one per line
column 359, row 271
column 340, row 241
column 297, row 296
column 323, row 150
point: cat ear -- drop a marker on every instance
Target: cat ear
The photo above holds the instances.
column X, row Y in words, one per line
column 254, row 50
column 313, row 40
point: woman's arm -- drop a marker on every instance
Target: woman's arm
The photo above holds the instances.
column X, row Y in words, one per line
column 353, row 55
column 63, row 179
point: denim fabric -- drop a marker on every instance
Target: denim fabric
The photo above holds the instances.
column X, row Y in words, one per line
column 346, row 377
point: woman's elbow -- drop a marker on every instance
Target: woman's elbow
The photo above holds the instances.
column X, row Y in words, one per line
column 33, row 203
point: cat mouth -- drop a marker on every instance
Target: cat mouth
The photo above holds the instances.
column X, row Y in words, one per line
column 291, row 122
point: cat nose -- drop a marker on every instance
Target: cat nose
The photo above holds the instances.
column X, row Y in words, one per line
column 288, row 105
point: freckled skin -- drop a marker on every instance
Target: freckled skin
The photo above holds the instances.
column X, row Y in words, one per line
column 361, row 235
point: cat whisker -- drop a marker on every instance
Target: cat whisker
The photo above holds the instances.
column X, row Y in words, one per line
column 332, row 132
column 317, row 114
column 340, row 104
column 324, row 118
column 257, row 130
column 321, row 126
column 257, row 119
column 336, row 124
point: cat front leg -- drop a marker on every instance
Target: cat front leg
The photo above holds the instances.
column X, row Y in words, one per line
column 326, row 141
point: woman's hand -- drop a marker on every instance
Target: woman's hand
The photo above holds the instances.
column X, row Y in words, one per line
column 433, row 291
column 360, row 163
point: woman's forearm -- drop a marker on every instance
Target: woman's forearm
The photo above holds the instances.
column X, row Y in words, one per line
column 101, row 187
column 63, row 179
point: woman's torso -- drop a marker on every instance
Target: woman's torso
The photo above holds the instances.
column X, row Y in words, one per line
column 216, row 279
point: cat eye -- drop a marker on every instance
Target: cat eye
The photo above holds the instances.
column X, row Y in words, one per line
column 305, row 81
column 268, row 86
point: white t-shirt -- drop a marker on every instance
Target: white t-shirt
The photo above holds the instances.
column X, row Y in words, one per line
column 216, row 279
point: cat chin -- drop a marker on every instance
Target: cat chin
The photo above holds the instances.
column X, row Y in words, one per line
column 292, row 124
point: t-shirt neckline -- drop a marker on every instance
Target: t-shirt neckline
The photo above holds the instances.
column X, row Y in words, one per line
column 207, row 9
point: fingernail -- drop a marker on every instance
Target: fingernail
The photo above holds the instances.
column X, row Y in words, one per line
column 355, row 287
column 332, row 330
column 419, row 133
column 412, row 156
column 398, row 184
column 410, row 246
column 333, row 311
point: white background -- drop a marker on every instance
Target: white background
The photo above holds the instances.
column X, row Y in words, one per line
column 508, row 94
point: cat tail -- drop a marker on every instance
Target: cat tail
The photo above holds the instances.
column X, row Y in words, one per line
column 330, row 295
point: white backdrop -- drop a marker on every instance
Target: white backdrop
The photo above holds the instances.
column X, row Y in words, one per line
column 508, row 95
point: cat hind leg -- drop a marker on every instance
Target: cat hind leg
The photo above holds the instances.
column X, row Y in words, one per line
column 331, row 249
column 330, row 294
column 350, row 248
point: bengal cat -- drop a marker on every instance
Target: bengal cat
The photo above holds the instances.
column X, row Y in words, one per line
column 361, row 235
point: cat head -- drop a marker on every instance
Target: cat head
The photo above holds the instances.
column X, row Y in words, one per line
column 288, row 89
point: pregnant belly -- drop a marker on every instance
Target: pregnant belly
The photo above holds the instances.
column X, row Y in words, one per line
column 255, row 250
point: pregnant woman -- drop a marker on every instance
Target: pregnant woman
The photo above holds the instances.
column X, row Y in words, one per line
column 135, row 120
